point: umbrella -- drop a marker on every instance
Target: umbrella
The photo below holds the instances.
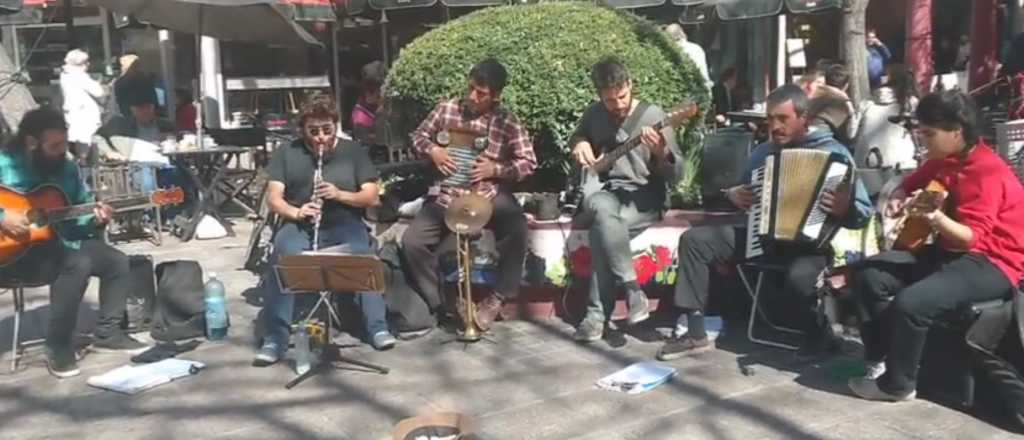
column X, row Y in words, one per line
column 255, row 21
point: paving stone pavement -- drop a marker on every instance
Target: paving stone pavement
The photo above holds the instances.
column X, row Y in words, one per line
column 534, row 383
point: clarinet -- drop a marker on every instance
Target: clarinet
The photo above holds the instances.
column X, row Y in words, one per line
column 317, row 178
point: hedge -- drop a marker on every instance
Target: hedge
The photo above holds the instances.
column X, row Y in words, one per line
column 548, row 49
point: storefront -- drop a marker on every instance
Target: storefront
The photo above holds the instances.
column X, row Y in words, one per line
column 37, row 39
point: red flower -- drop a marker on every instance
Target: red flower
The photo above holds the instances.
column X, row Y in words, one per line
column 663, row 255
column 645, row 267
column 579, row 262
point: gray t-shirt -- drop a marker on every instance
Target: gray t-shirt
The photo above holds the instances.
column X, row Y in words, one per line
column 348, row 168
column 633, row 171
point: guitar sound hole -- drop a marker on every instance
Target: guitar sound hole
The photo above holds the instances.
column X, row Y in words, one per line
column 36, row 217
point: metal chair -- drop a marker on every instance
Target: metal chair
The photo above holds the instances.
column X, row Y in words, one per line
column 17, row 289
column 755, row 308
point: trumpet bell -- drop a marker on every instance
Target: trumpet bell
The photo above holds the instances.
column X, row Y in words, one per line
column 468, row 214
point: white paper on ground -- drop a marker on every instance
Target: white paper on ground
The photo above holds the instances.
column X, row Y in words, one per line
column 131, row 379
column 712, row 326
column 637, row 378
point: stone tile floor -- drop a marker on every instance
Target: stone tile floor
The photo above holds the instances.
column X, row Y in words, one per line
column 535, row 383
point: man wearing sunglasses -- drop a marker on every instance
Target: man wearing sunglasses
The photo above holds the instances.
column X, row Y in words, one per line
column 504, row 155
column 349, row 185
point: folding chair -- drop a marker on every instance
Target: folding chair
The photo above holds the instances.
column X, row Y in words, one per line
column 755, row 308
column 17, row 288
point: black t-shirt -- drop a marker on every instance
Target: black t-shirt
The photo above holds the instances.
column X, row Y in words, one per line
column 348, row 168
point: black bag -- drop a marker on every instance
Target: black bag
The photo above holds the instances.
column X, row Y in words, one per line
column 142, row 299
column 180, row 308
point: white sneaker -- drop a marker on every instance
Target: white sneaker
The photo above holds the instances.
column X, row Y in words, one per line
column 875, row 370
column 868, row 389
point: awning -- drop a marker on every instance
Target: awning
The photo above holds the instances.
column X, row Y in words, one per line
column 400, row 4
column 699, row 11
column 310, row 10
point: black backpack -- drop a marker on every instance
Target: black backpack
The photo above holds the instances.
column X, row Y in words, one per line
column 180, row 310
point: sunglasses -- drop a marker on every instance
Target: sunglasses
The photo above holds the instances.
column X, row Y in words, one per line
column 316, row 130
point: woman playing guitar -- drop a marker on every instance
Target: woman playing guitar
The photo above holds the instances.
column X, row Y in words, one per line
column 978, row 253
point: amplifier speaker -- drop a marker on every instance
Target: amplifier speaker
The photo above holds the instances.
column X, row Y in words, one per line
column 724, row 158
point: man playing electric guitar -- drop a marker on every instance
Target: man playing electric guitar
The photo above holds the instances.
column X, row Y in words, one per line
column 632, row 194
column 38, row 156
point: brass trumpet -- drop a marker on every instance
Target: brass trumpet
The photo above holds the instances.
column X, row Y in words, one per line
column 466, row 216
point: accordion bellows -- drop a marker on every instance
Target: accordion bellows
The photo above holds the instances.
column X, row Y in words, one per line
column 788, row 190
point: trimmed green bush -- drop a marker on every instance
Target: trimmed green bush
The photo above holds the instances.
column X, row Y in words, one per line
column 548, row 50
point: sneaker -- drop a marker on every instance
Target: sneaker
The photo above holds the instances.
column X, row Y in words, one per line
column 119, row 342
column 383, row 341
column 639, row 307
column 414, row 334
column 588, row 331
column 875, row 370
column 269, row 354
column 488, row 311
column 684, row 346
column 868, row 389
column 61, row 366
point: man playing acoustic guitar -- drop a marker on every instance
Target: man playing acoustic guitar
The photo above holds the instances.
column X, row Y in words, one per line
column 978, row 254
column 38, row 156
column 631, row 196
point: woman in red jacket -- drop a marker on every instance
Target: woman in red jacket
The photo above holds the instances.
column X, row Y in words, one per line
column 978, row 254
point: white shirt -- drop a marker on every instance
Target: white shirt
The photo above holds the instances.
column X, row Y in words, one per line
column 696, row 54
column 81, row 105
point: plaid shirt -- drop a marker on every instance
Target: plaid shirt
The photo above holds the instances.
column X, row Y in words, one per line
column 508, row 145
column 18, row 173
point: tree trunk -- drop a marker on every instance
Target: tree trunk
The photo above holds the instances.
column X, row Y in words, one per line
column 919, row 43
column 854, row 50
column 15, row 98
column 984, row 43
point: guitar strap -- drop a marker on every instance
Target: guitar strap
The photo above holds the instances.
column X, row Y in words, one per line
column 632, row 121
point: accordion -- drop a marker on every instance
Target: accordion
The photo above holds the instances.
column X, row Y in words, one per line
column 463, row 146
column 787, row 193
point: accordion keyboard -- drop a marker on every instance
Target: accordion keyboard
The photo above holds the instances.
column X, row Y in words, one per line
column 757, row 218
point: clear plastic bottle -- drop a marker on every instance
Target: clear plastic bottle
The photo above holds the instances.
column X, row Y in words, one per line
column 303, row 355
column 217, row 319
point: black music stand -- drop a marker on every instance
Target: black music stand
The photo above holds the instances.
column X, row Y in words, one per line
column 326, row 273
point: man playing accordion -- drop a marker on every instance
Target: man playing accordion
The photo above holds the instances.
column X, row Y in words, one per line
column 791, row 126
column 503, row 155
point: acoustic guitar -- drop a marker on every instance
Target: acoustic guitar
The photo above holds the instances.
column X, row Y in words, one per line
column 578, row 189
column 47, row 205
column 912, row 233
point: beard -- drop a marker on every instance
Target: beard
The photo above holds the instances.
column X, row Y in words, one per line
column 46, row 165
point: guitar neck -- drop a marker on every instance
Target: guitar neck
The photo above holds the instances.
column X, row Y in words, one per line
column 608, row 159
column 118, row 203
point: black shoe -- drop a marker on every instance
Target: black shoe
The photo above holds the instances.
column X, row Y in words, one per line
column 61, row 366
column 684, row 346
column 118, row 342
column 409, row 335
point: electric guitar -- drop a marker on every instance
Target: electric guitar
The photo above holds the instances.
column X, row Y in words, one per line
column 576, row 192
column 47, row 205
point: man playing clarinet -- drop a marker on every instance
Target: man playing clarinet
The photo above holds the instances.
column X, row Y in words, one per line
column 329, row 208
column 504, row 155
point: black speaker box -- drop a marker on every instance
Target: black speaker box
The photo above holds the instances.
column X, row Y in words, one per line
column 724, row 158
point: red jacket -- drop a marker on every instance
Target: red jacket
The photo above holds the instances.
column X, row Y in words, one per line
column 989, row 199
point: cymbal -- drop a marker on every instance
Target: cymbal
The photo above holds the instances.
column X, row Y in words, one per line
column 468, row 214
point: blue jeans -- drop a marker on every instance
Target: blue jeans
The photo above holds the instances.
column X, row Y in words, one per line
column 293, row 239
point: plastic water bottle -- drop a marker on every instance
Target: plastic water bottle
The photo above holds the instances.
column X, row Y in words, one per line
column 217, row 321
column 303, row 356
